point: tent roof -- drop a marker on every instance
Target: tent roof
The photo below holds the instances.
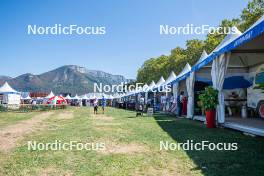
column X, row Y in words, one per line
column 68, row 97
column 161, row 81
column 228, row 39
column 84, row 97
column 251, row 41
column 183, row 74
column 171, row 77
column 151, row 85
column 50, row 95
column 26, row 98
column 6, row 88
column 76, row 97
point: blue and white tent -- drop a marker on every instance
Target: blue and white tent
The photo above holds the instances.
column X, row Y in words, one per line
column 182, row 76
column 169, row 80
column 234, row 51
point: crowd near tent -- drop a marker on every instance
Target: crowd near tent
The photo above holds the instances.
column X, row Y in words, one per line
column 8, row 95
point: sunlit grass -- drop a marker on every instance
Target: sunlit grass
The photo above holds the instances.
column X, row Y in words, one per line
column 124, row 129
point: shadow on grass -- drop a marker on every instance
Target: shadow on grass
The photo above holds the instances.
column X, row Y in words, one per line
column 247, row 160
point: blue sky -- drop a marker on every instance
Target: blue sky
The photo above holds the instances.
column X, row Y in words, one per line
column 132, row 32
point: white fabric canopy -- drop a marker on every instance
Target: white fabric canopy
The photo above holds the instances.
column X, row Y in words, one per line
column 171, row 77
column 26, row 98
column 84, row 97
column 50, row 95
column 190, row 87
column 175, row 90
column 228, row 39
column 7, row 88
column 183, row 74
column 76, row 97
column 190, row 92
column 160, row 82
column 68, row 97
column 218, row 73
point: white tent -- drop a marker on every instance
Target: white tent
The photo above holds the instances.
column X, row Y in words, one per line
column 150, row 87
column 68, row 97
column 6, row 88
column 84, row 97
column 190, row 81
column 76, row 97
column 26, row 98
column 51, row 94
column 182, row 75
column 171, row 78
column 218, row 72
column 159, row 83
column 9, row 95
column 157, row 87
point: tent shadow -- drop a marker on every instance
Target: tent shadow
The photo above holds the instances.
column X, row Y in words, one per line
column 244, row 161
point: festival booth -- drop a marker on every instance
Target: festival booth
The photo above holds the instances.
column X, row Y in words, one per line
column 157, row 93
column 198, row 81
column 76, row 101
column 237, row 66
column 149, row 95
column 180, row 84
column 57, row 100
column 9, row 97
column 26, row 99
column 85, row 100
column 170, row 99
column 68, row 99
column 50, row 95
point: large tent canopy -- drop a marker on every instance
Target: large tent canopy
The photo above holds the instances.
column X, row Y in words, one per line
column 159, row 83
column 241, row 46
column 184, row 73
column 6, row 88
column 171, row 77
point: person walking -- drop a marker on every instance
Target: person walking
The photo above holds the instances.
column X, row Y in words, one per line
column 95, row 105
column 103, row 104
column 180, row 103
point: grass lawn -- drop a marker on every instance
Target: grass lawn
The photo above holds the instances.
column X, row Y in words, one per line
column 132, row 146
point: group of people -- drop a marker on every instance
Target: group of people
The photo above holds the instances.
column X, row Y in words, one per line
column 96, row 104
column 172, row 104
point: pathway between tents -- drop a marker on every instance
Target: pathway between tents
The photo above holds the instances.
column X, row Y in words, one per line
column 10, row 135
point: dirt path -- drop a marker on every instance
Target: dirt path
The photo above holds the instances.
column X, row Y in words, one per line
column 10, row 135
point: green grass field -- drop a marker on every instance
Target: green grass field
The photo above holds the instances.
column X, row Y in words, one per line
column 132, row 145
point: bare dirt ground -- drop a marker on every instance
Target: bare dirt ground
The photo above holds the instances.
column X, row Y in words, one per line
column 10, row 135
column 53, row 171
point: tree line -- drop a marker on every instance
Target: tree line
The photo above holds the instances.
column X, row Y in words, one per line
column 154, row 68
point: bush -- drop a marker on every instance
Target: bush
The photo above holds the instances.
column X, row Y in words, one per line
column 209, row 98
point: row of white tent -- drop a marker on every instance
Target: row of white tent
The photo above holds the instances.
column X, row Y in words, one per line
column 11, row 96
column 218, row 59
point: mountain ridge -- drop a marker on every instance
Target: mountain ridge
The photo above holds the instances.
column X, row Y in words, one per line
column 65, row 79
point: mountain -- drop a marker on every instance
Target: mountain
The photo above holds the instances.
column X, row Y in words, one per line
column 66, row 79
